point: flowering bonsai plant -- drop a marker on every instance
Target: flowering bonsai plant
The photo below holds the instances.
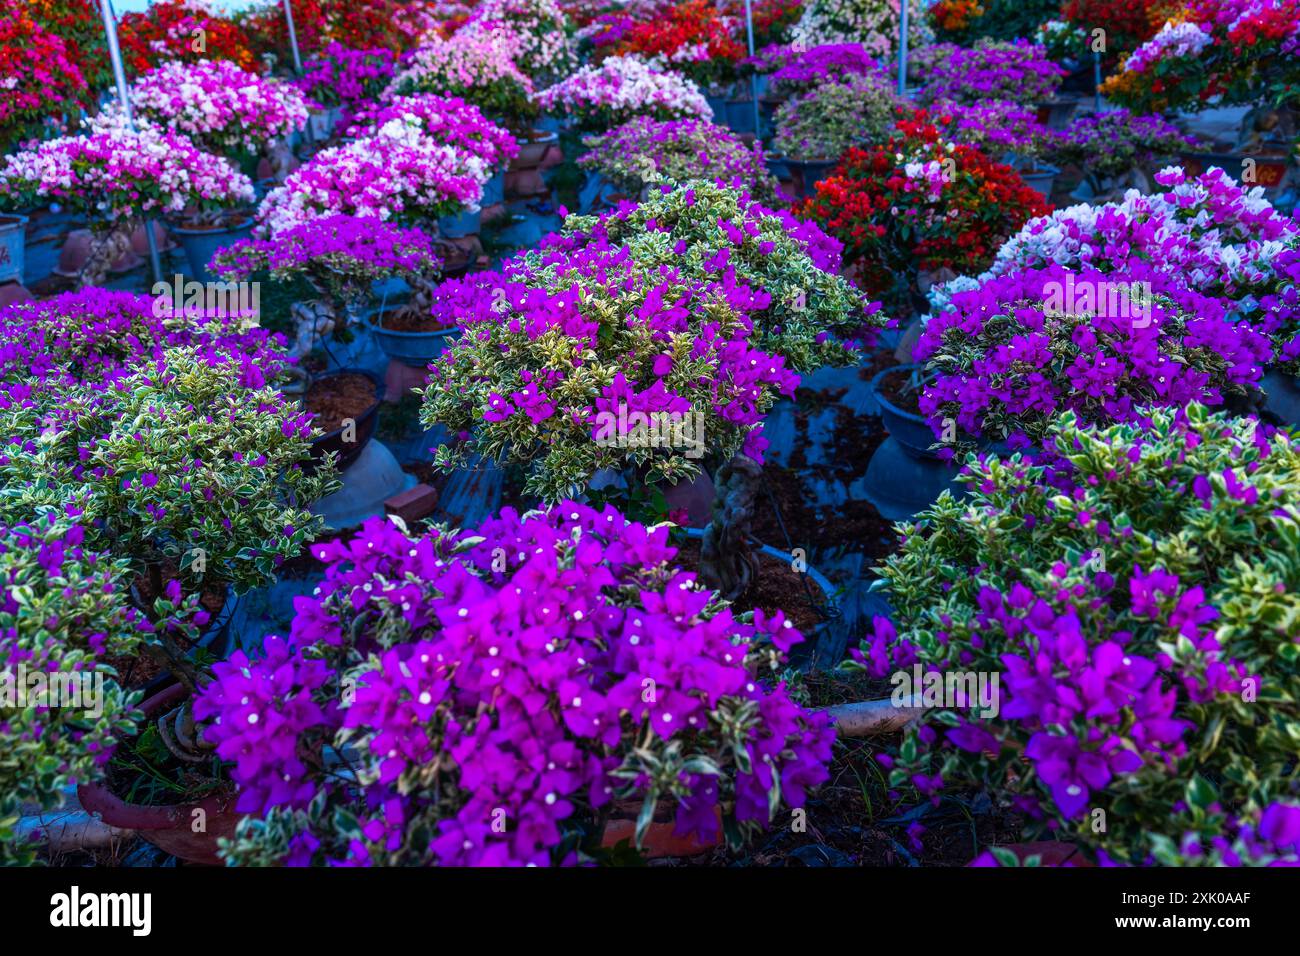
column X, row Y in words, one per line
column 643, row 150
column 538, row 31
column 447, row 121
column 694, row 38
column 41, row 77
column 1117, row 147
column 477, row 67
column 341, row 257
column 186, row 30
column 608, row 95
column 1130, row 587
column 1020, row 347
column 477, row 727
column 796, row 70
column 176, row 461
column 64, row 619
column 113, row 176
column 873, row 23
column 221, row 108
column 691, row 310
column 997, row 128
column 343, row 78
column 831, row 117
column 1213, row 244
column 399, row 173
column 1018, row 71
column 1226, row 51
column 918, row 202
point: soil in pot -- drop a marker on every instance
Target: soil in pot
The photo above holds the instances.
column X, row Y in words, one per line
column 777, row 587
column 338, row 398
column 410, row 322
column 899, row 390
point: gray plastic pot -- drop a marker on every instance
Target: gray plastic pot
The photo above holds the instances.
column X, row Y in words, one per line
column 1283, row 400
column 1041, row 179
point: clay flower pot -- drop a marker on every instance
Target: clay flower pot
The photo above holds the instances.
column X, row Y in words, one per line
column 660, row 839
column 171, row 829
column 364, row 423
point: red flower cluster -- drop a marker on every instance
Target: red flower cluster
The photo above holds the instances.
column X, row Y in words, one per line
column 79, row 25
column 359, row 24
column 38, row 74
column 692, row 36
column 1127, row 22
column 182, row 30
column 941, row 206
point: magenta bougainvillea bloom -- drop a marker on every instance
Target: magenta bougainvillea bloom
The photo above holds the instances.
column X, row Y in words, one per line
column 486, row 697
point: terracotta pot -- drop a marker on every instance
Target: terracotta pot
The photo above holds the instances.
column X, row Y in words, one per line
column 533, row 149
column 660, row 840
column 524, row 183
column 12, row 292
column 168, row 828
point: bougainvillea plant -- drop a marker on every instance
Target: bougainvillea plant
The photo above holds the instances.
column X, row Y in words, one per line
column 619, row 88
column 1208, row 238
column 795, row 70
column 918, row 202
column 340, row 76
column 186, row 30
column 220, row 107
column 180, row 459
column 39, row 75
column 832, row 116
column 1019, row 348
column 1018, row 71
column 477, row 67
column 694, row 38
column 643, row 149
column 1109, row 146
column 873, row 23
column 398, row 174
column 538, row 31
column 501, row 695
column 1136, row 591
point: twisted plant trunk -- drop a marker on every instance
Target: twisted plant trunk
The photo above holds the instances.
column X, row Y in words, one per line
column 279, row 157
column 727, row 562
column 420, row 303
column 105, row 249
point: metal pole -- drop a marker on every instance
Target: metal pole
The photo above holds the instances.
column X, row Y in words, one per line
column 902, row 49
column 1096, row 80
column 753, row 78
column 124, row 98
column 293, row 37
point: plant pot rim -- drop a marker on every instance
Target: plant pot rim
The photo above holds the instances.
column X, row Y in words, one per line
column 11, row 221
column 885, row 402
column 97, row 797
column 373, row 320
column 375, row 380
column 180, row 230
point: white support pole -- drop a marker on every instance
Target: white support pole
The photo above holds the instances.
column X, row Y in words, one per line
column 753, row 78
column 124, row 98
column 902, row 48
column 293, row 37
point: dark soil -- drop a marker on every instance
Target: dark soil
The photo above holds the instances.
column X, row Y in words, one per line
column 408, row 322
column 337, row 398
column 898, row 390
column 776, row 587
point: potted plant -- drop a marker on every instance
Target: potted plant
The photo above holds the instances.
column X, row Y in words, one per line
column 537, row 31
column 114, row 176
column 530, row 380
column 1017, row 71
column 599, row 97
column 340, row 80
column 569, row 701
column 1117, row 149
column 873, row 23
column 813, row 129
column 631, row 158
column 487, row 149
column 1128, row 661
column 942, row 205
column 167, row 30
column 341, row 257
column 43, row 76
column 63, row 614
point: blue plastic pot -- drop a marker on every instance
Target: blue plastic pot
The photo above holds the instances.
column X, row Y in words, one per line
column 13, row 246
column 719, row 106
column 201, row 245
column 740, row 116
column 494, row 190
column 1041, row 180
column 1283, row 397
column 416, row 349
column 463, row 223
